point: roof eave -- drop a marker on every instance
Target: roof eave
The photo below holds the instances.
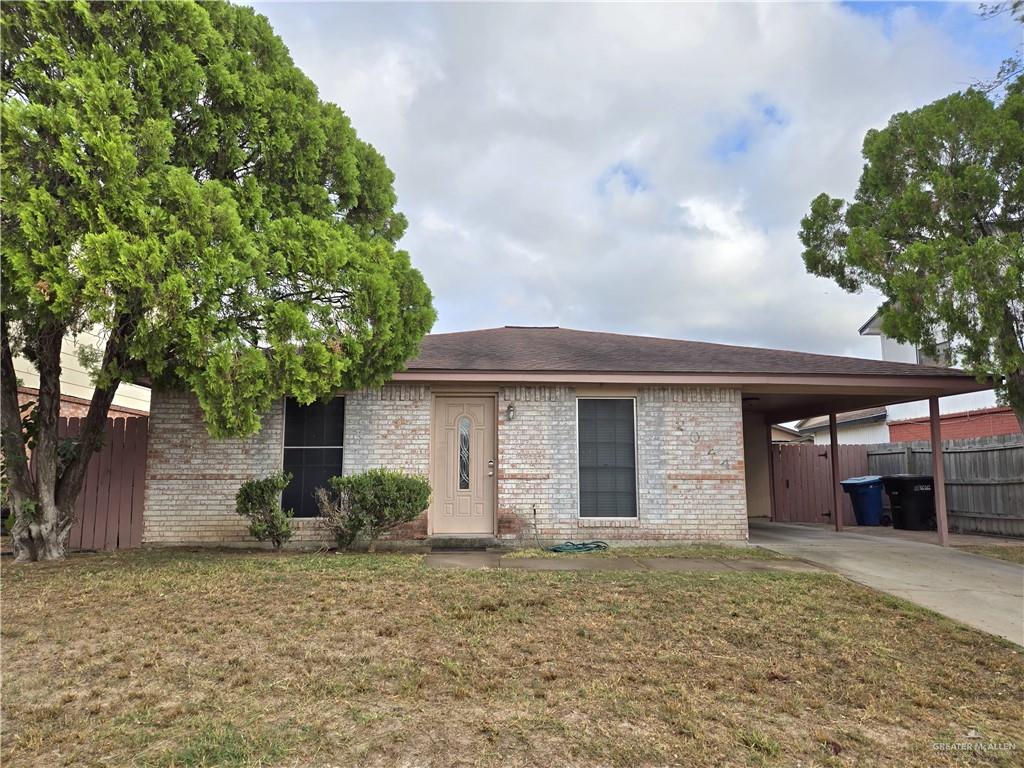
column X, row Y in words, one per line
column 934, row 384
column 867, row 325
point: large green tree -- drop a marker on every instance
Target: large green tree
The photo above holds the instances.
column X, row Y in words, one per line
column 936, row 226
column 173, row 180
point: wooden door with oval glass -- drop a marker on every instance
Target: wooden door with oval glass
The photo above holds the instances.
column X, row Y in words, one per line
column 463, row 466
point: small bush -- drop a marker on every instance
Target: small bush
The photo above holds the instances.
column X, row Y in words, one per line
column 371, row 503
column 260, row 502
column 337, row 517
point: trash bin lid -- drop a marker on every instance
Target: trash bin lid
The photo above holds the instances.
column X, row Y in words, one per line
column 863, row 480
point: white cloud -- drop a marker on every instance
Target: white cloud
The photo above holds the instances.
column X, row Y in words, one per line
column 622, row 167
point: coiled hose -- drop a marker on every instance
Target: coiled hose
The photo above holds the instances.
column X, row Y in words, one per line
column 568, row 546
column 579, row 546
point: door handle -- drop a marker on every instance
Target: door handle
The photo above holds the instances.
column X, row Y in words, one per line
column 490, row 467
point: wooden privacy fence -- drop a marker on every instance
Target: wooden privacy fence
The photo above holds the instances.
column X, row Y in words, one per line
column 108, row 512
column 984, row 479
column 802, row 481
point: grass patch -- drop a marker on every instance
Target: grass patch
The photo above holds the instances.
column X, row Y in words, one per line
column 1008, row 552
column 760, row 744
column 179, row 658
column 689, row 551
column 222, row 745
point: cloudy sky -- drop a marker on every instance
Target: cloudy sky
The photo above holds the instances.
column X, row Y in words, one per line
column 640, row 169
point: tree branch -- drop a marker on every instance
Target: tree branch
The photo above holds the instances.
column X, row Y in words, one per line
column 91, row 436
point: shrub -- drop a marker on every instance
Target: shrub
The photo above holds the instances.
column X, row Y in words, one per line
column 371, row 503
column 337, row 516
column 260, row 501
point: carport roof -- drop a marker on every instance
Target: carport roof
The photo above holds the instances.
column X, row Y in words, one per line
column 780, row 384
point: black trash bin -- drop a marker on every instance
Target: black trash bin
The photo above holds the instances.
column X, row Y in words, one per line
column 912, row 500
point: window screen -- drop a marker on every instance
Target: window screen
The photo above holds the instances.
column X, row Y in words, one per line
column 313, row 445
column 607, row 451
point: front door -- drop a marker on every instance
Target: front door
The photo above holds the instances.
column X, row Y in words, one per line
column 463, row 466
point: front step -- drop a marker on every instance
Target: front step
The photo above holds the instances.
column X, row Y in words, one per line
column 464, row 543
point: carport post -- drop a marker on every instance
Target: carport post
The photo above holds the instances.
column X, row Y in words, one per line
column 837, row 489
column 938, row 473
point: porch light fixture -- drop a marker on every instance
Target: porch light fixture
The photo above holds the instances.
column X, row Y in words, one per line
column 510, row 412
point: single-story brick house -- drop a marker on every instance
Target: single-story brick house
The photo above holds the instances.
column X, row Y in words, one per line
column 570, row 433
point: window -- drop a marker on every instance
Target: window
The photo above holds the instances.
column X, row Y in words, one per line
column 464, row 427
column 607, row 456
column 942, row 356
column 313, row 445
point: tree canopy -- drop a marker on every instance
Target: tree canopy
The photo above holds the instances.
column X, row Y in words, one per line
column 173, row 179
column 936, row 226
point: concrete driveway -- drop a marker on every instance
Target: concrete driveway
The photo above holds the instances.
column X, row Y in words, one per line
column 984, row 593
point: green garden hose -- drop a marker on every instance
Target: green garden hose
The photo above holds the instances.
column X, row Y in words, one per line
column 569, row 546
column 579, row 546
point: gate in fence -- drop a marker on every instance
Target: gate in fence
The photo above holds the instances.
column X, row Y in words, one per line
column 802, row 481
column 108, row 512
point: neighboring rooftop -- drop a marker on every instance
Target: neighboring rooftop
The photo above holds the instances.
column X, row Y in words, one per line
column 863, row 416
column 872, row 326
column 553, row 349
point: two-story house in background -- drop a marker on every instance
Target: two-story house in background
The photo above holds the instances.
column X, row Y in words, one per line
column 976, row 414
column 76, row 383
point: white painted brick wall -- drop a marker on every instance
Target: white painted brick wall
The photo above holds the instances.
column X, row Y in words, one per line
column 389, row 427
column 192, row 479
column 690, row 463
column 537, row 465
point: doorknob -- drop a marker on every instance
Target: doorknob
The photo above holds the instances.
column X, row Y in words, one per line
column 490, row 468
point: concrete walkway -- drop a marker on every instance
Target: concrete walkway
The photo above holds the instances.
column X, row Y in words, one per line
column 982, row 592
column 478, row 560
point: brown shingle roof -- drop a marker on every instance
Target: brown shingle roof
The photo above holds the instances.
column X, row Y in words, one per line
column 551, row 349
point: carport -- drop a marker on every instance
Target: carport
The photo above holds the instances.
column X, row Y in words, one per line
column 776, row 399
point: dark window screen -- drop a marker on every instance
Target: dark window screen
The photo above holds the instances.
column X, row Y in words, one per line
column 607, row 458
column 313, row 445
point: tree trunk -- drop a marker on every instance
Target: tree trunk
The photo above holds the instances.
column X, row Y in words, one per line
column 15, row 457
column 41, row 526
column 1015, row 395
column 43, row 501
column 40, row 531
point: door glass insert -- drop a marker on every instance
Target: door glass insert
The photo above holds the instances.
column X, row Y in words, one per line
column 464, row 426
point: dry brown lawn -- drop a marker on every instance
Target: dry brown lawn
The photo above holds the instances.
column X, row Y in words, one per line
column 174, row 658
column 686, row 551
column 1012, row 552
